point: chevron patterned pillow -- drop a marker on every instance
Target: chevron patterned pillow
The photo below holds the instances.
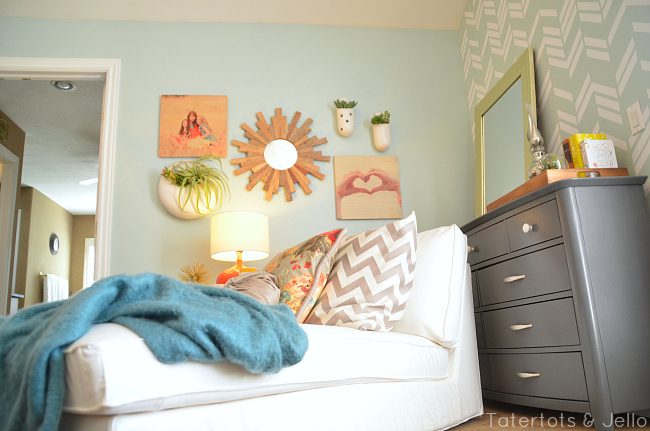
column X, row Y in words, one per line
column 371, row 279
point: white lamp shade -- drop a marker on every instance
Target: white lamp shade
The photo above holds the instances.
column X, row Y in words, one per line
column 245, row 231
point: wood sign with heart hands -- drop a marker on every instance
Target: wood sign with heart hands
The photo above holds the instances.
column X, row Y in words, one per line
column 381, row 174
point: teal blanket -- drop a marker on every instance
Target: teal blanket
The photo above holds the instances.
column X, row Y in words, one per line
column 178, row 321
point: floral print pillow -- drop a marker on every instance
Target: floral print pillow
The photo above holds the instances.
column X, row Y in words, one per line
column 298, row 267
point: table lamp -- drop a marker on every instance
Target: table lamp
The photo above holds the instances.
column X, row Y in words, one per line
column 236, row 236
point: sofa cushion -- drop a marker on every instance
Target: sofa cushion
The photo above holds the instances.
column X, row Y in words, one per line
column 433, row 310
column 371, row 278
column 302, row 270
column 111, row 370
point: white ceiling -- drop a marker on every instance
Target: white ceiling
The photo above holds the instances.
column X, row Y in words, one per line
column 62, row 128
column 424, row 14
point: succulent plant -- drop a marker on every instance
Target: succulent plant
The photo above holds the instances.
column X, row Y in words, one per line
column 380, row 118
column 342, row 102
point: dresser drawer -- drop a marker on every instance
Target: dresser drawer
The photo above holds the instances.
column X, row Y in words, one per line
column 553, row 324
column 534, row 274
column 561, row 375
column 533, row 226
column 488, row 243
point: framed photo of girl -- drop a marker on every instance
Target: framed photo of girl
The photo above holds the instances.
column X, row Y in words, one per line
column 193, row 126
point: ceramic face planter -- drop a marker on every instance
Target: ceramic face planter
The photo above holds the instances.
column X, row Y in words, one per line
column 345, row 120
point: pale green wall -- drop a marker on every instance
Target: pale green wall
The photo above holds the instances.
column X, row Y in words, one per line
column 592, row 62
column 416, row 74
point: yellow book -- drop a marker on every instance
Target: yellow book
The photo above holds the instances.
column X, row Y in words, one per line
column 576, row 150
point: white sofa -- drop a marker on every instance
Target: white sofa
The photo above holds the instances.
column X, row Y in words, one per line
column 423, row 375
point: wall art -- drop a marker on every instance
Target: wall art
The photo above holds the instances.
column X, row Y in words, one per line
column 280, row 154
column 367, row 187
column 193, row 126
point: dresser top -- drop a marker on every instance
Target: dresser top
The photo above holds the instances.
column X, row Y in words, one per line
column 551, row 188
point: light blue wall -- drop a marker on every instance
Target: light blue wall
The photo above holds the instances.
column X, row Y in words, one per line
column 415, row 74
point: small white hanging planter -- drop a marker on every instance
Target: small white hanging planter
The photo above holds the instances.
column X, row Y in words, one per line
column 168, row 193
column 345, row 115
column 345, row 120
column 381, row 133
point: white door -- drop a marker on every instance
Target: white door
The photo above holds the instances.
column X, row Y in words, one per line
column 12, row 143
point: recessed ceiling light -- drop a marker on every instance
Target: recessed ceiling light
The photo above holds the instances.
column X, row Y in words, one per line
column 89, row 182
column 63, row 85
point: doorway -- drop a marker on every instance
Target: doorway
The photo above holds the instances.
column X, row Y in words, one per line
column 71, row 69
column 8, row 187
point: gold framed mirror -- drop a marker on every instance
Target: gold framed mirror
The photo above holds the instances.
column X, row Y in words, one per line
column 502, row 151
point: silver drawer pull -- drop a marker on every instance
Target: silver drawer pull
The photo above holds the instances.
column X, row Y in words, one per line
column 528, row 227
column 470, row 249
column 520, row 327
column 527, row 375
column 513, row 278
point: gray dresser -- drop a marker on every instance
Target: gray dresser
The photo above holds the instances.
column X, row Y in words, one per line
column 561, row 283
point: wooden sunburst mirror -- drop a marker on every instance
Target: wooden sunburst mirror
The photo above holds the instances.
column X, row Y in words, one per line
column 280, row 155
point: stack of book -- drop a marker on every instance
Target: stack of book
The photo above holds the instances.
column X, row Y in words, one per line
column 588, row 150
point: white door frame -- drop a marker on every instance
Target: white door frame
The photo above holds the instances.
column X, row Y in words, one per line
column 10, row 163
column 83, row 68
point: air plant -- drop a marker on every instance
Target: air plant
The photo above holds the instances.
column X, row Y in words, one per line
column 206, row 181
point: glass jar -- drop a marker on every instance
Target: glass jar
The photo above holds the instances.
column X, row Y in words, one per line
column 542, row 162
column 554, row 161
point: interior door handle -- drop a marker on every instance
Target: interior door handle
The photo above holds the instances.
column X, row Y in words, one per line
column 520, row 327
column 513, row 278
column 527, row 375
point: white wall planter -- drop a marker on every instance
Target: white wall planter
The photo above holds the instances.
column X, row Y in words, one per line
column 345, row 120
column 381, row 133
column 168, row 193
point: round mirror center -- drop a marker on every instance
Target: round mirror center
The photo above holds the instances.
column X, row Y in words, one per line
column 280, row 154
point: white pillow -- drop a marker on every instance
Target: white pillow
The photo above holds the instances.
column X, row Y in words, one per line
column 433, row 309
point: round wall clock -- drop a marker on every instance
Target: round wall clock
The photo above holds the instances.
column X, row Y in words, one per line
column 280, row 155
column 54, row 244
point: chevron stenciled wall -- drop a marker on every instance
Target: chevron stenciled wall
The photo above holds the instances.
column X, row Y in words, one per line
column 592, row 62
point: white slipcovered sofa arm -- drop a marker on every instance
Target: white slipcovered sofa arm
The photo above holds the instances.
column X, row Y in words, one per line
column 434, row 306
